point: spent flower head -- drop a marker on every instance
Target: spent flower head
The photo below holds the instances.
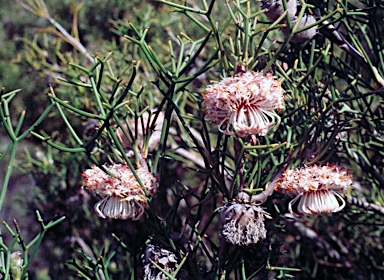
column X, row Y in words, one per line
column 163, row 258
column 243, row 223
column 123, row 197
column 244, row 103
column 317, row 187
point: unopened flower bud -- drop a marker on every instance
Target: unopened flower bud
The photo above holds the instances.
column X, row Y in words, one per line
column 305, row 35
column 16, row 265
column 276, row 8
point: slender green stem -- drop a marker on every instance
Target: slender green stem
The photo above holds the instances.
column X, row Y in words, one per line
column 66, row 121
column 74, row 109
column 36, row 123
column 8, row 173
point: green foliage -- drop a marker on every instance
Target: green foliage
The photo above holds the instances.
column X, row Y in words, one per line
column 19, row 270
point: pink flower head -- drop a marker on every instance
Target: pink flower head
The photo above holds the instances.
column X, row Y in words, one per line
column 317, row 187
column 244, row 103
column 123, row 197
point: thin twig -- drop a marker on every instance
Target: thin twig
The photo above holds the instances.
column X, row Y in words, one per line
column 305, row 231
column 270, row 187
column 43, row 13
column 366, row 205
column 346, row 46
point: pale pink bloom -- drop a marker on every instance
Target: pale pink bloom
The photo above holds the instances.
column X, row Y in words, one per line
column 319, row 188
column 244, row 103
column 123, row 197
column 243, row 223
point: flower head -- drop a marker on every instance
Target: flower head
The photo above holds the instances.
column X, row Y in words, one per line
column 244, row 103
column 317, row 187
column 243, row 223
column 162, row 257
column 123, row 197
